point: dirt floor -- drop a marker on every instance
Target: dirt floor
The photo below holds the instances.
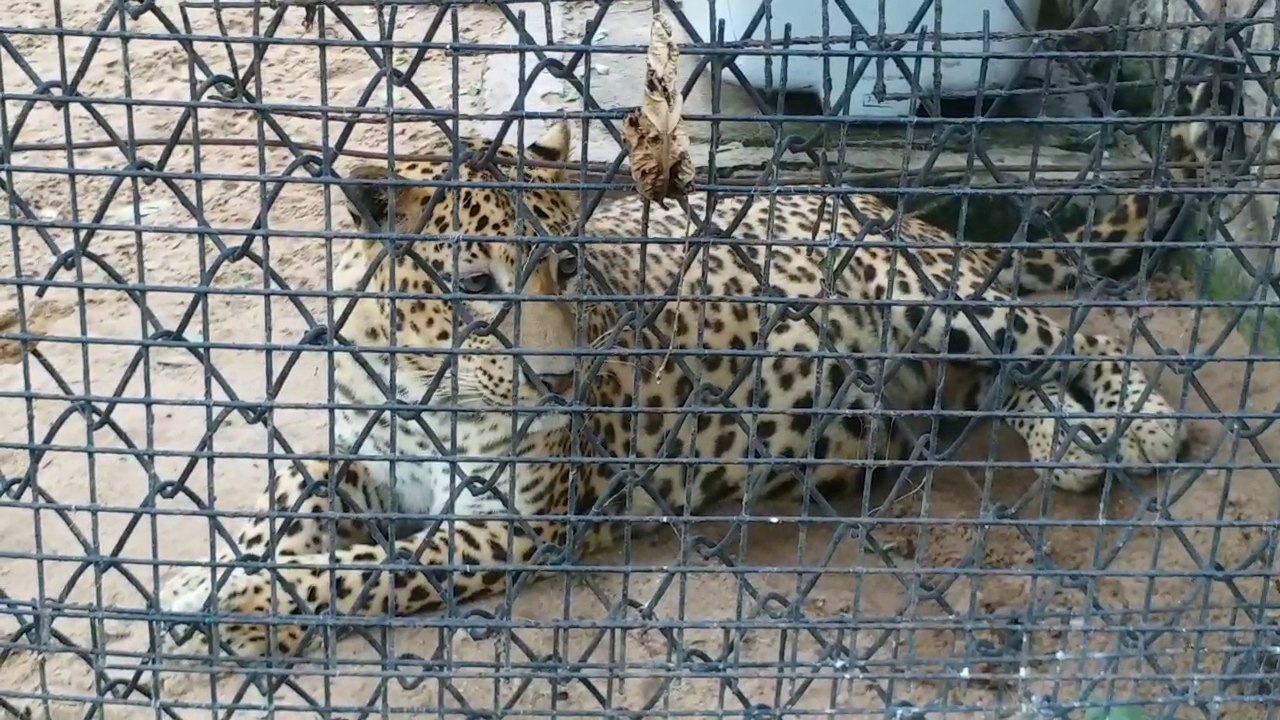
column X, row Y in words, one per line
column 78, row 560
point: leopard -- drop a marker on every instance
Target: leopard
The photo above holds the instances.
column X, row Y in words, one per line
column 513, row 383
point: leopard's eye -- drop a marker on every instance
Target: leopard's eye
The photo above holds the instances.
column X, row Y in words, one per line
column 567, row 263
column 477, row 283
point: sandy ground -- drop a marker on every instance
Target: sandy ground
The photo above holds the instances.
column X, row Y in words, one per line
column 84, row 543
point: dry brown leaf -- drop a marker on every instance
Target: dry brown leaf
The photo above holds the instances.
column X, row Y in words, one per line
column 40, row 315
column 660, row 161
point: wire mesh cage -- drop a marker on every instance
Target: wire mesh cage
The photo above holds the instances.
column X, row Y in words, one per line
column 685, row 358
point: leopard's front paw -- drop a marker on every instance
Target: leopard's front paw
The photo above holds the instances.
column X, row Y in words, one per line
column 1153, row 434
column 191, row 620
column 1061, row 437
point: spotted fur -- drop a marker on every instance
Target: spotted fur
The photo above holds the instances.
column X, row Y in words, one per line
column 816, row 352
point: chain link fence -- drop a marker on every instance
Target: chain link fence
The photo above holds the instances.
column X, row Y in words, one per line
column 691, row 409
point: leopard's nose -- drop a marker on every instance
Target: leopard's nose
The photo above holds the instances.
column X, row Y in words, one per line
column 558, row 383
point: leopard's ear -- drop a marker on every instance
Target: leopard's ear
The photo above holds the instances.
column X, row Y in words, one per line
column 369, row 189
column 553, row 146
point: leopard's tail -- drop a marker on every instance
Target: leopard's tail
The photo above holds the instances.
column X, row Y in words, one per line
column 1114, row 245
